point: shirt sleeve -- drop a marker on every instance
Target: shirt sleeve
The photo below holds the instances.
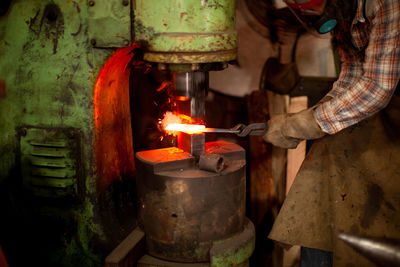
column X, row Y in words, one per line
column 364, row 88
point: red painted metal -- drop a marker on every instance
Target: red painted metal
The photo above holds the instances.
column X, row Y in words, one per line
column 3, row 261
column 114, row 155
column 305, row 5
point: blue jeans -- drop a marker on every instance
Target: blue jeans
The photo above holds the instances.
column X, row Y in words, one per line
column 311, row 257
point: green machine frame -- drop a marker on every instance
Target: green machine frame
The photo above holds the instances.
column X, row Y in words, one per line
column 66, row 156
column 182, row 31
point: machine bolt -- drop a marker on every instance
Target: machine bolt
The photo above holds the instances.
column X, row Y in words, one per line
column 93, row 42
column 161, row 66
column 23, row 132
column 125, row 2
column 70, row 134
column 91, row 3
column 195, row 66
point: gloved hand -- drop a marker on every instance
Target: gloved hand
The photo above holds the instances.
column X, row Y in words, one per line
column 288, row 130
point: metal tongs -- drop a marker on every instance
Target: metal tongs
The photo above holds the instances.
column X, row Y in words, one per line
column 242, row 130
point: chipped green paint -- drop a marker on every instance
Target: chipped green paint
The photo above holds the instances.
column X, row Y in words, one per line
column 111, row 17
column 50, row 67
column 186, row 31
column 236, row 250
column 233, row 251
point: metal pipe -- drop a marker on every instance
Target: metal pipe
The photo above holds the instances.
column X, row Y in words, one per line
column 211, row 162
column 382, row 251
column 193, row 87
column 183, row 209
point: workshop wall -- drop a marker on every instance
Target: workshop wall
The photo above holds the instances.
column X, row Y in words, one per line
column 239, row 83
column 313, row 56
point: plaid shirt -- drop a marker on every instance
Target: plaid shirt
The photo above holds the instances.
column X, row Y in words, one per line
column 365, row 86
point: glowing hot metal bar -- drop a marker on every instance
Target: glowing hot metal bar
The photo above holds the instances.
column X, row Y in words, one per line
column 197, row 129
column 186, row 128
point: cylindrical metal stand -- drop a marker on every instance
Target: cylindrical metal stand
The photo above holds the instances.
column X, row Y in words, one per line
column 233, row 251
column 184, row 210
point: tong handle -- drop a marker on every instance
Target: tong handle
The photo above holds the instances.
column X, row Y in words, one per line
column 251, row 129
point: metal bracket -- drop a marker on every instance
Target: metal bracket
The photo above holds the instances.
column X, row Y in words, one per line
column 109, row 23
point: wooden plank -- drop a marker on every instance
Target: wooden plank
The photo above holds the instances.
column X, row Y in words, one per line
column 261, row 182
column 295, row 156
column 129, row 251
column 278, row 104
column 291, row 257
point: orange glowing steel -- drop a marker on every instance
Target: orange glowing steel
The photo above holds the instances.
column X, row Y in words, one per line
column 173, row 123
column 186, row 119
column 169, row 118
column 186, row 128
column 182, row 98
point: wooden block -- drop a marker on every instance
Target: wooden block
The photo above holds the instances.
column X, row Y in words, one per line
column 129, row 251
column 262, row 194
column 291, row 257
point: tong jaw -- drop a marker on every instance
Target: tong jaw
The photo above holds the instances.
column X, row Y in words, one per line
column 251, row 129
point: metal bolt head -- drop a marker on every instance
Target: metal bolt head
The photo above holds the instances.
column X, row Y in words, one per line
column 93, row 42
column 23, row 132
column 70, row 133
column 161, row 66
column 195, row 66
column 91, row 3
column 125, row 2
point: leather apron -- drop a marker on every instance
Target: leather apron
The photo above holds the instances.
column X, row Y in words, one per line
column 349, row 182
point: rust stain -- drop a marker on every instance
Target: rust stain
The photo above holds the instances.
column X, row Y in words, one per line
column 78, row 31
column 183, row 14
column 2, row 88
column 32, row 22
column 76, row 5
column 51, row 25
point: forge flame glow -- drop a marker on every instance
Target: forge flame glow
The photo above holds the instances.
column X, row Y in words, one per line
column 186, row 128
column 174, row 123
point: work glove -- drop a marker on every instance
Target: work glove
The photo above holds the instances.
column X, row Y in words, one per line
column 288, row 130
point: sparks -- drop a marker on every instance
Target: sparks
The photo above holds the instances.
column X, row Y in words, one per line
column 169, row 118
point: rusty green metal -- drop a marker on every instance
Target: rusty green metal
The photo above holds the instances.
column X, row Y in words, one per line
column 49, row 63
column 49, row 161
column 236, row 250
column 109, row 23
column 186, row 31
column 49, row 67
